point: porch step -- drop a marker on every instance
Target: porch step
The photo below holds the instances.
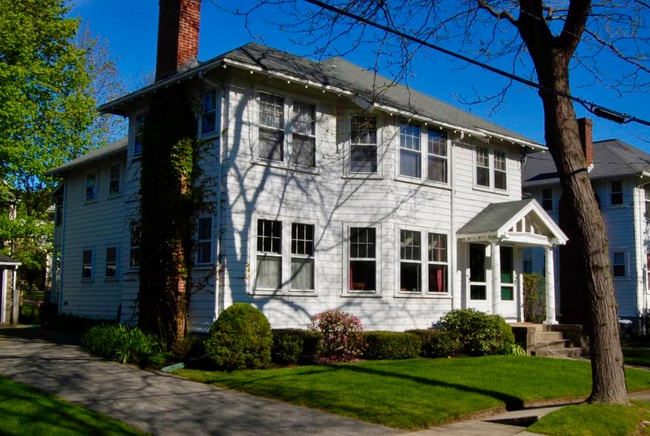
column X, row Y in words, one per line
column 559, row 341
column 568, row 352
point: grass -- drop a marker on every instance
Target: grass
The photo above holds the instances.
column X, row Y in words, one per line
column 595, row 420
column 637, row 356
column 24, row 410
column 419, row 393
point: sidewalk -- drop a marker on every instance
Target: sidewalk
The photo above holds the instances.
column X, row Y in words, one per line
column 163, row 404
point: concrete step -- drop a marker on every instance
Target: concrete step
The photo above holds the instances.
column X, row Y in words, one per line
column 558, row 352
column 548, row 336
column 554, row 344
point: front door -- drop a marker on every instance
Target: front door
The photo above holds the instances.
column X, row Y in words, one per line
column 508, row 306
column 478, row 295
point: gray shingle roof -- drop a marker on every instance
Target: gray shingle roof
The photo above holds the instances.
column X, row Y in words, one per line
column 6, row 260
column 493, row 217
column 612, row 159
column 109, row 150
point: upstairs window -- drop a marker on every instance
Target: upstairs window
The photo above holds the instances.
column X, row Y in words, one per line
column 483, row 166
column 491, row 168
column 500, row 175
column 138, row 129
column 646, row 192
column 209, row 112
column 91, row 186
column 363, row 259
column 616, row 193
column 204, row 241
column 303, row 144
column 115, row 180
column 547, row 199
column 363, row 145
column 619, row 264
column 410, row 156
column 271, row 127
column 437, row 156
column 111, row 262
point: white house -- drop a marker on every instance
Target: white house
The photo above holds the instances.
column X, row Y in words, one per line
column 330, row 187
column 620, row 175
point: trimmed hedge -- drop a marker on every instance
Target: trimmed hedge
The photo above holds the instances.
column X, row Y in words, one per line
column 438, row 343
column 391, row 345
column 292, row 346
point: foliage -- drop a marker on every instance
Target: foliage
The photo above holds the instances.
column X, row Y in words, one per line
column 438, row 343
column 533, row 297
column 342, row 335
column 480, row 333
column 121, row 343
column 419, row 393
column 240, row 338
column 27, row 411
column 391, row 345
column 294, row 346
column 511, row 349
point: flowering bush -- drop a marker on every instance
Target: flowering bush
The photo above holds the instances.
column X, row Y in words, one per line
column 342, row 336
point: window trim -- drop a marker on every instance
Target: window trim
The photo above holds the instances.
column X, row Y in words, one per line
column 546, row 200
column 625, row 264
column 492, row 170
column 134, row 250
column 87, row 265
column 112, row 194
column 95, row 186
column 425, row 263
column 347, row 279
column 209, row 241
column 612, row 193
column 217, row 96
column 350, row 145
column 115, row 263
column 424, row 155
column 139, row 121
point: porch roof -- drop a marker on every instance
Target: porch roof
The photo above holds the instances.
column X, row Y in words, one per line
column 6, row 261
column 522, row 222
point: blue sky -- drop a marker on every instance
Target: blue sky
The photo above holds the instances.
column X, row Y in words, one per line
column 130, row 28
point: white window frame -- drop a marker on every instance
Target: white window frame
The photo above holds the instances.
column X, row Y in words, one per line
column 358, row 141
column 112, row 179
column 112, row 264
column 612, row 193
column 93, row 186
column 349, row 288
column 624, row 264
column 138, row 131
column 427, row 260
column 290, row 125
column 302, row 251
column 208, row 110
column 493, row 167
column 203, row 241
column 283, row 255
column 425, row 150
column 87, row 265
column 646, row 198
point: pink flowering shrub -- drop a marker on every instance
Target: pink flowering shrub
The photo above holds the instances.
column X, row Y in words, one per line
column 342, row 336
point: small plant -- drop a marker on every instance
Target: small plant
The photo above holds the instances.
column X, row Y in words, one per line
column 391, row 345
column 342, row 335
column 480, row 333
column 121, row 343
column 295, row 346
column 240, row 338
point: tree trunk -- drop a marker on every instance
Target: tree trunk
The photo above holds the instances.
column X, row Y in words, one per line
column 563, row 141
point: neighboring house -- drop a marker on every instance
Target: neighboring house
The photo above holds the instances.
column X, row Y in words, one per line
column 330, row 187
column 620, row 176
column 10, row 296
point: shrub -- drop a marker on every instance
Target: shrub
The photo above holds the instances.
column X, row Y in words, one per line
column 391, row 345
column 240, row 338
column 294, row 346
column 122, row 344
column 342, row 335
column 480, row 333
column 513, row 350
column 438, row 343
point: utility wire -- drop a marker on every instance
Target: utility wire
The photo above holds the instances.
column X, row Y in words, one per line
column 599, row 111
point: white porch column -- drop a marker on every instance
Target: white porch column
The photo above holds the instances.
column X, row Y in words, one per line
column 496, row 277
column 550, row 287
column 3, row 298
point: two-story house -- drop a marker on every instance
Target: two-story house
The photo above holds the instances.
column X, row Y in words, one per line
column 620, row 175
column 330, row 187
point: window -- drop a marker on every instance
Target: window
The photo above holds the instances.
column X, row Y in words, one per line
column 302, row 256
column 138, row 135
column 271, row 126
column 58, row 211
column 363, row 145
column 482, row 166
column 507, row 274
column 111, row 262
column 646, row 191
column 410, row 261
column 363, row 261
column 87, row 265
column 437, row 159
column 134, row 255
column 269, row 254
column 438, row 263
column 547, row 199
column 478, row 285
column 491, row 168
column 619, row 264
column 209, row 112
column 410, row 156
column 204, row 241
column 91, row 185
column 303, row 144
column 616, row 193
column 115, row 180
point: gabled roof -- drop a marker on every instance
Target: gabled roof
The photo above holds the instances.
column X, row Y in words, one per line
column 105, row 152
column 365, row 87
column 523, row 222
column 612, row 159
column 8, row 261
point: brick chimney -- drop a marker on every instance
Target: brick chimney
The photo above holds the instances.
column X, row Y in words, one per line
column 178, row 36
column 585, row 128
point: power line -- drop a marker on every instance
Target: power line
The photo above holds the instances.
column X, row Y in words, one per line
column 594, row 108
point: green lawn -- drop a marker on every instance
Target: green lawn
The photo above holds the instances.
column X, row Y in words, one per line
column 637, row 355
column 419, row 393
column 25, row 411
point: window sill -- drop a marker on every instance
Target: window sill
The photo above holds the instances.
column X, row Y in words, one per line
column 427, row 296
column 422, row 182
column 286, row 166
column 363, row 176
column 111, row 197
column 90, row 201
column 282, row 293
column 503, row 192
column 361, row 294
